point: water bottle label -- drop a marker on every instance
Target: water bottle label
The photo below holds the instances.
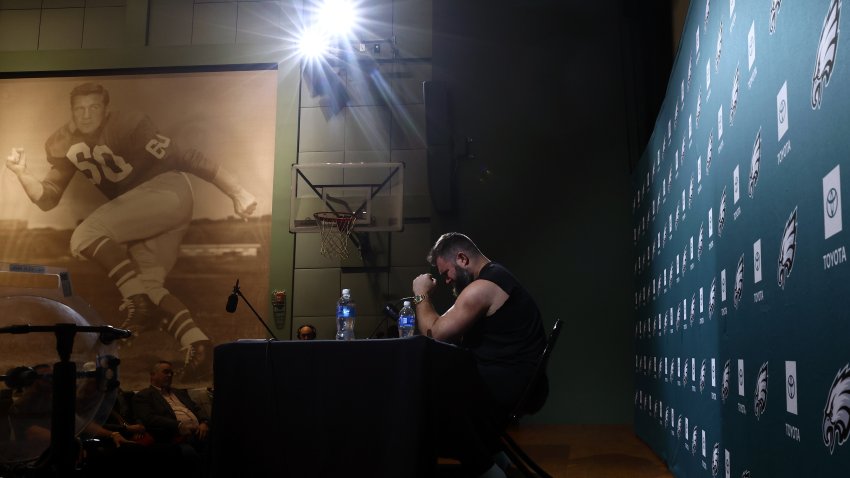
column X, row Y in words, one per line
column 405, row 321
column 343, row 311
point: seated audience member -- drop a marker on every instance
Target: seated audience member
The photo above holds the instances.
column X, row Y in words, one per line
column 306, row 332
column 169, row 414
column 499, row 322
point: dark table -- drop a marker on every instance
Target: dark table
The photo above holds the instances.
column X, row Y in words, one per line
column 332, row 409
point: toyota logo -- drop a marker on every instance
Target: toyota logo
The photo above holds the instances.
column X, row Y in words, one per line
column 792, row 387
column 832, row 203
column 782, row 107
column 758, row 261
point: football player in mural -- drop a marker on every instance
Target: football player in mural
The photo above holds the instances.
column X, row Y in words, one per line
column 135, row 236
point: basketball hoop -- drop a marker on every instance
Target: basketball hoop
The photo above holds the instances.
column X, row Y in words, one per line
column 334, row 228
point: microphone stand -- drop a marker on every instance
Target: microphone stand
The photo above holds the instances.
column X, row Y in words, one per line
column 238, row 291
column 389, row 313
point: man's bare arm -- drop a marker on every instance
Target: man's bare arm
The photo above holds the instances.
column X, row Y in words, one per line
column 472, row 304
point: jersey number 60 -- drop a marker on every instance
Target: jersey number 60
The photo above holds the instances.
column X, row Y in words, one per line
column 99, row 162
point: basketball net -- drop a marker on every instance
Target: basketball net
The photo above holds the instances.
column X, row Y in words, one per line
column 334, row 228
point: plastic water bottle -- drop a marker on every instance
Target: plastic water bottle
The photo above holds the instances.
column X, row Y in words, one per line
column 406, row 320
column 346, row 312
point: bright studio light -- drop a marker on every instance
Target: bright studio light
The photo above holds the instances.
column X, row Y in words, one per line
column 314, row 43
column 337, row 17
column 334, row 20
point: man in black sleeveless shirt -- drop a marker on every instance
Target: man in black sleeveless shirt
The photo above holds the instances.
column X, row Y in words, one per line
column 494, row 317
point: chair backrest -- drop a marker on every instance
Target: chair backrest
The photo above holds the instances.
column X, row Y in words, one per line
column 537, row 390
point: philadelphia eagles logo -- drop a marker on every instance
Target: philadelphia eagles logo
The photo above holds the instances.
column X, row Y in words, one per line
column 715, row 459
column 676, row 117
column 685, row 376
column 712, row 297
column 672, row 370
column 691, row 192
column 709, row 151
column 699, row 242
column 739, row 281
column 702, row 376
column 755, row 161
column 735, row 85
column 679, row 427
column 684, row 259
column 787, row 249
column 699, row 106
column 721, row 213
column 678, row 316
column 694, row 441
column 724, row 388
column 836, row 413
column 760, row 399
column 774, row 10
column 666, row 416
column 827, row 47
column 719, row 47
column 669, row 178
column 676, row 224
column 693, row 308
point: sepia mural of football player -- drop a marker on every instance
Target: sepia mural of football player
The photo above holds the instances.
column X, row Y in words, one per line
column 135, row 236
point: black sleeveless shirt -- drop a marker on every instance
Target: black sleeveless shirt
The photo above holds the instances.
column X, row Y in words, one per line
column 507, row 344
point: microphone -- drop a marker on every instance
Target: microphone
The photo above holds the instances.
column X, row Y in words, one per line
column 109, row 334
column 233, row 299
column 391, row 311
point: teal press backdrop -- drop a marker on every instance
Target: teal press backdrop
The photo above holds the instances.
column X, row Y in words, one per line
column 742, row 302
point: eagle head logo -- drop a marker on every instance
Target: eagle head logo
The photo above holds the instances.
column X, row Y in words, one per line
column 735, row 86
column 685, row 376
column 836, row 413
column 699, row 107
column 672, row 371
column 679, row 427
column 693, row 308
column 694, row 437
column 702, row 376
column 724, row 388
column 787, row 249
column 712, row 297
column 721, row 213
column 678, row 316
column 827, row 47
column 719, row 47
column 739, row 281
column 709, row 151
column 774, row 10
column 715, row 459
column 760, row 399
column 755, row 161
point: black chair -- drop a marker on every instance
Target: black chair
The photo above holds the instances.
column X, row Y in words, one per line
column 531, row 402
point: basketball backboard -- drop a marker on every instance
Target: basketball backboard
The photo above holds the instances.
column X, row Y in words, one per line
column 372, row 191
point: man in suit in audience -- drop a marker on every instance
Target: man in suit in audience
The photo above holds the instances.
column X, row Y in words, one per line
column 169, row 414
